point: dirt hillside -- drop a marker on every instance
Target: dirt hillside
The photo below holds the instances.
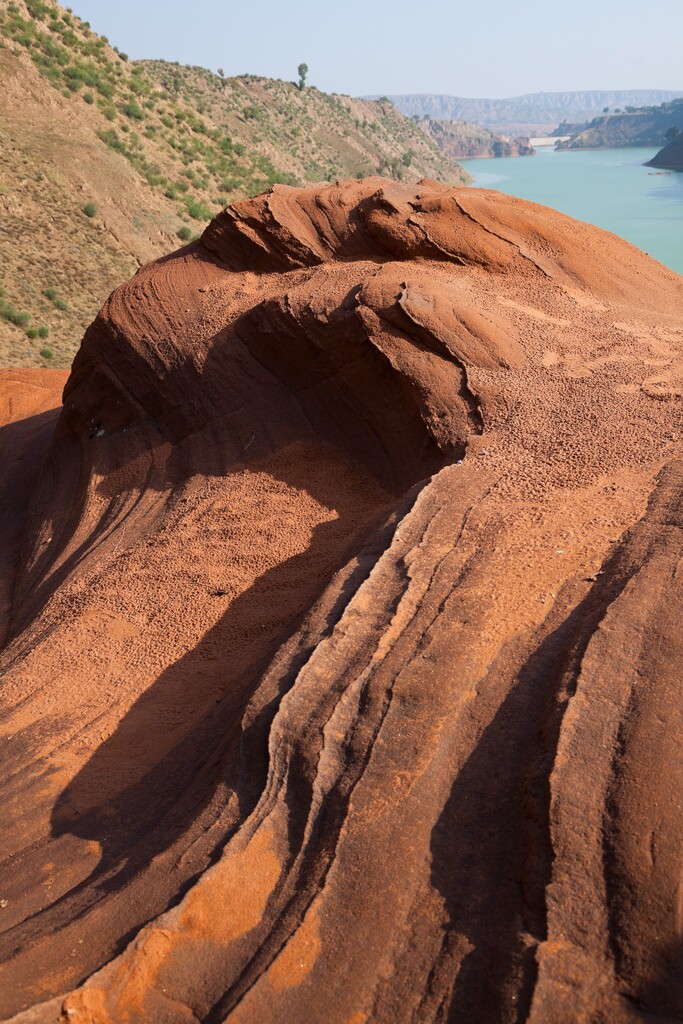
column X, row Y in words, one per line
column 107, row 163
column 342, row 667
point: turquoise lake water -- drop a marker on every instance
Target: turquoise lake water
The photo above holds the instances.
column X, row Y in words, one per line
column 607, row 187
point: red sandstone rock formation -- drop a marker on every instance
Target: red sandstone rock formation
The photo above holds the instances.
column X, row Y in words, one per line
column 342, row 674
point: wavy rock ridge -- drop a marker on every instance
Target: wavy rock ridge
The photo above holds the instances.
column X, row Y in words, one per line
column 341, row 678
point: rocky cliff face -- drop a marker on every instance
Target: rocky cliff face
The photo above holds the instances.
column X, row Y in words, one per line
column 342, row 663
column 460, row 139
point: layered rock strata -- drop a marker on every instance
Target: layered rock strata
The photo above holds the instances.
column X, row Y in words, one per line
column 342, row 668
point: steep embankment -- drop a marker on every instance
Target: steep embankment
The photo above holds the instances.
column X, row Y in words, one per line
column 533, row 114
column 670, row 157
column 107, row 163
column 459, row 139
column 344, row 649
column 645, row 127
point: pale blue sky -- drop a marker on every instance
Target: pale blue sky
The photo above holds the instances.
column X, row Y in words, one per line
column 479, row 48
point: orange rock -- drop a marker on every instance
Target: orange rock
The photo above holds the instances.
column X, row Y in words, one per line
column 421, row 760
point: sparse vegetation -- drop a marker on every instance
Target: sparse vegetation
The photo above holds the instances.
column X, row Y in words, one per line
column 51, row 294
column 184, row 234
column 90, row 210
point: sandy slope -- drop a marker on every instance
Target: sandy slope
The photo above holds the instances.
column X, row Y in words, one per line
column 342, row 680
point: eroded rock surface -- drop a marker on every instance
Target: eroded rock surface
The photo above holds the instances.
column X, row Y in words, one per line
column 342, row 674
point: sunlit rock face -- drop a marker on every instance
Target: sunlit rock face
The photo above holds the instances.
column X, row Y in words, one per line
column 342, row 614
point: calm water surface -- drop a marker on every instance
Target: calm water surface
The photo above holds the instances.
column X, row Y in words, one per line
column 607, row 187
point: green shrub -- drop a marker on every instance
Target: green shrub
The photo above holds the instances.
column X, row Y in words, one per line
column 61, row 304
column 154, row 176
column 197, row 210
column 43, row 332
column 50, row 293
column 14, row 316
column 37, row 9
column 111, row 139
column 88, row 97
column 46, row 353
column 133, row 110
column 90, row 210
column 32, row 333
column 279, row 177
column 184, row 234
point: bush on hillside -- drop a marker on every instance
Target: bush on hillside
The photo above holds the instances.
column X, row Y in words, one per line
column 133, row 110
column 14, row 316
column 197, row 210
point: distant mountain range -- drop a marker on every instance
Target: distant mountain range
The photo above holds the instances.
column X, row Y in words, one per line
column 534, row 114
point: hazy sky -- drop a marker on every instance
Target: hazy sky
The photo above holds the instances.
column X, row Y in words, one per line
column 478, row 48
